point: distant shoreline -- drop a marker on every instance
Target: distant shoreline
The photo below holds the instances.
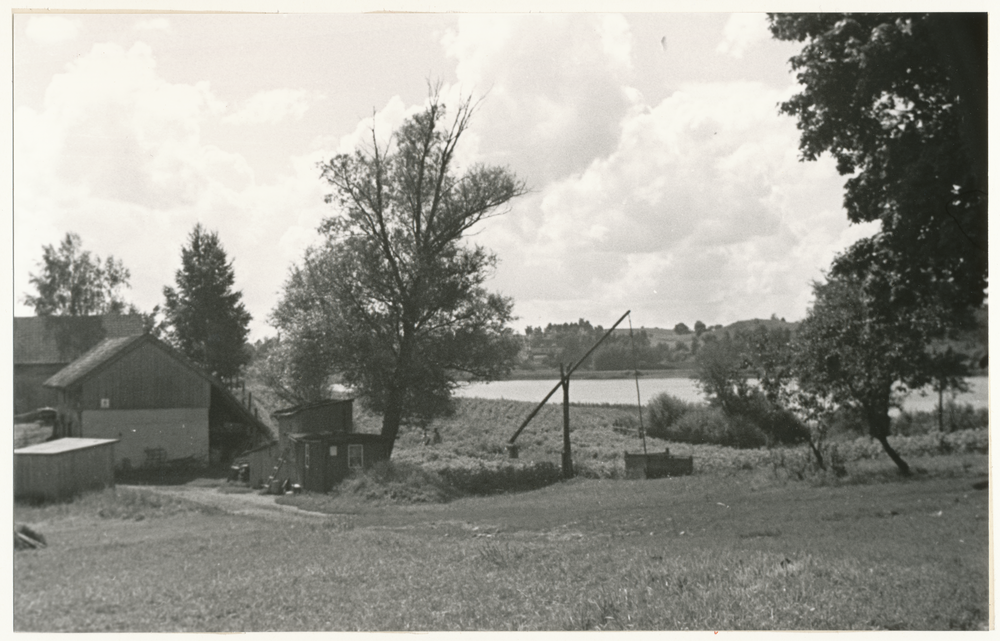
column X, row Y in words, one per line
column 553, row 374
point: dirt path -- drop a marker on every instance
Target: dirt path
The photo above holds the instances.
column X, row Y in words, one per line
column 247, row 503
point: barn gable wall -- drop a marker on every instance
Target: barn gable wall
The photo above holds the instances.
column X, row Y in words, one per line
column 146, row 435
column 145, row 378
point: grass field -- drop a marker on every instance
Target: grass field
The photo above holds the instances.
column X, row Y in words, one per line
column 741, row 551
column 754, row 540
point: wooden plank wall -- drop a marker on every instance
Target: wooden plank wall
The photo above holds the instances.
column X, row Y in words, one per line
column 52, row 476
column 146, row 378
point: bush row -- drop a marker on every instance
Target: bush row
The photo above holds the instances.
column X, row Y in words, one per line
column 755, row 423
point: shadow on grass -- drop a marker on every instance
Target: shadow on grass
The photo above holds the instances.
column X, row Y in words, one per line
column 181, row 473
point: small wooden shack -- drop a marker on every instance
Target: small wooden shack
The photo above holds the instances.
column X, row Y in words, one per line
column 317, row 447
column 63, row 467
column 320, row 460
column 658, row 465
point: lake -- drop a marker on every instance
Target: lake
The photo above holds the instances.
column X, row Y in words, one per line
column 622, row 391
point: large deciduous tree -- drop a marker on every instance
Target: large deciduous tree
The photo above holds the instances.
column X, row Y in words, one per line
column 899, row 100
column 204, row 317
column 858, row 349
column 393, row 298
column 73, row 282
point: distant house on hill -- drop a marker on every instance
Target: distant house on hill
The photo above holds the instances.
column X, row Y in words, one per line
column 43, row 345
column 158, row 405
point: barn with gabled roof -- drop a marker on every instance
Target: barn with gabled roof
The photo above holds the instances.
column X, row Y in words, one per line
column 158, row 404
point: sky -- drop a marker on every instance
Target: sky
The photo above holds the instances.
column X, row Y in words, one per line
column 662, row 177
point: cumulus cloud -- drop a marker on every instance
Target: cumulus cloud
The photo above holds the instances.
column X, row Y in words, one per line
column 557, row 87
column 271, row 107
column 117, row 154
column 742, row 31
column 702, row 206
column 50, row 30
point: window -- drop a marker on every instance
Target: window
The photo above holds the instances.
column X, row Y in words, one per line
column 333, row 450
column 355, row 456
column 105, row 403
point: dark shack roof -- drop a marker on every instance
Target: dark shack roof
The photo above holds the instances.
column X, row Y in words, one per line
column 292, row 411
column 337, row 437
column 63, row 339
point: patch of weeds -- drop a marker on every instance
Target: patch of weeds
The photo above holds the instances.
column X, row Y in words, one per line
column 759, row 534
column 139, row 505
column 113, row 503
column 338, row 524
column 230, row 488
column 397, row 482
column 497, row 554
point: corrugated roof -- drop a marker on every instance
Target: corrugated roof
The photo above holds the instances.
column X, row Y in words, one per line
column 63, row 339
column 61, row 445
column 103, row 352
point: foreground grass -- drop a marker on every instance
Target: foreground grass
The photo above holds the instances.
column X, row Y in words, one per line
column 744, row 551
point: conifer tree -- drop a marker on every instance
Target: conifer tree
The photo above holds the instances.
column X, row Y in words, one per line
column 204, row 317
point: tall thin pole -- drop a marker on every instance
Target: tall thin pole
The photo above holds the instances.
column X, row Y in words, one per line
column 567, row 456
column 638, row 397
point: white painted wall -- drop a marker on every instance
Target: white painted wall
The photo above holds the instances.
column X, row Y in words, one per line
column 181, row 432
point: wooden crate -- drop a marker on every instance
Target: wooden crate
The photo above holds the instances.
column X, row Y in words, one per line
column 657, row 465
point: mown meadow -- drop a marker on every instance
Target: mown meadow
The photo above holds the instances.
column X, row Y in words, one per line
column 450, row 537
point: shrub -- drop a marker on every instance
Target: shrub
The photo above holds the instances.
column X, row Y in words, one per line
column 497, row 478
column 743, row 433
column 778, row 425
column 397, row 482
column 664, row 411
column 956, row 418
column 710, row 425
column 702, row 425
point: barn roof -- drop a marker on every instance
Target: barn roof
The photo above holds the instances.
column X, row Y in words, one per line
column 111, row 349
column 101, row 354
column 62, row 339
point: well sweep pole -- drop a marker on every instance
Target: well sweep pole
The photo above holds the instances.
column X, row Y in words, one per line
column 559, row 384
column 567, row 456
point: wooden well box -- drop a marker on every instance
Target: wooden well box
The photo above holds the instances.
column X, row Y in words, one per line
column 658, row 465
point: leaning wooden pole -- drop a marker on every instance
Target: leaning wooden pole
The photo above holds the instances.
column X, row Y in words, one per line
column 567, row 455
column 567, row 374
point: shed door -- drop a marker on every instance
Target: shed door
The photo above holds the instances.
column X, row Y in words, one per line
column 315, row 465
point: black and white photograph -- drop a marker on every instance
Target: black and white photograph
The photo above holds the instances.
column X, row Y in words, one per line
column 514, row 318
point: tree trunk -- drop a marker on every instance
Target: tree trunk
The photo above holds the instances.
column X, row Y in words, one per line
column 904, row 469
column 390, row 422
column 941, row 408
column 880, row 426
column 817, row 454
